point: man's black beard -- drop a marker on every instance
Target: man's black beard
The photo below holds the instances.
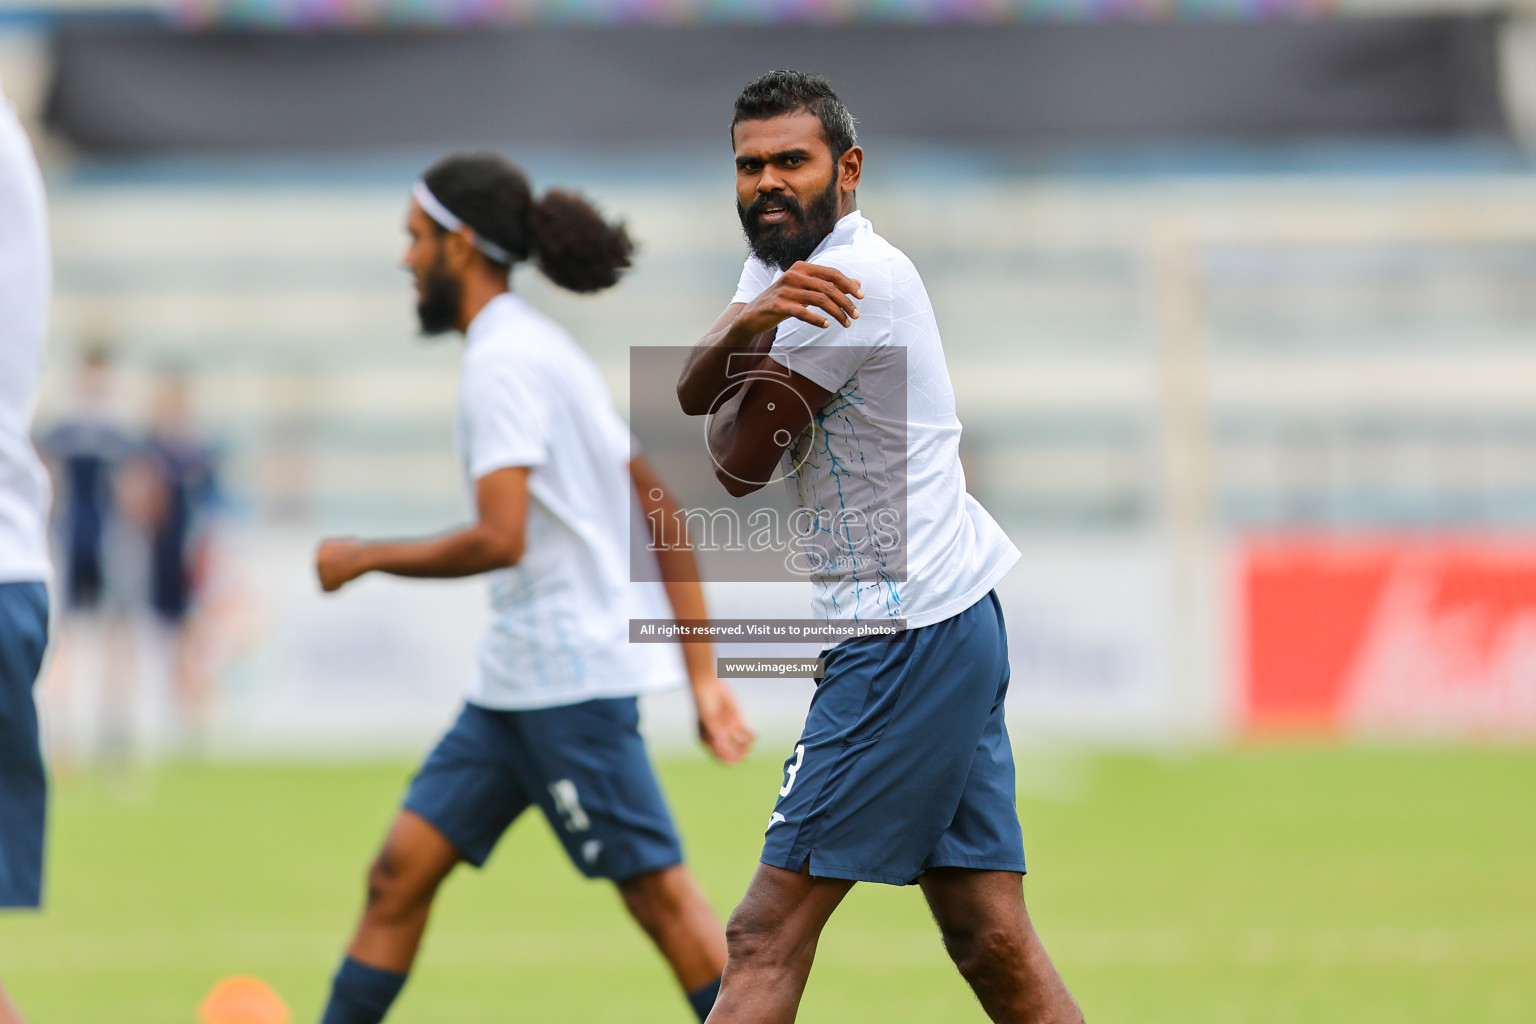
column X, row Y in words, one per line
column 780, row 245
column 441, row 300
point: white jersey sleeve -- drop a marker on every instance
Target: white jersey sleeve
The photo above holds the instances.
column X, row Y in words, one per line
column 630, row 444
column 831, row 355
column 506, row 420
column 756, row 276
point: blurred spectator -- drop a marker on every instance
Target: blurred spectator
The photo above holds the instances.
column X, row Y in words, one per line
column 185, row 473
column 84, row 452
column 130, row 526
column 91, row 684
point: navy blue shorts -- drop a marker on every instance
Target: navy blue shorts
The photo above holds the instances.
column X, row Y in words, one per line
column 584, row 765
column 904, row 764
column 23, row 783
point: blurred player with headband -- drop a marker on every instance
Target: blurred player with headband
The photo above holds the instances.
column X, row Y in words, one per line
column 24, row 284
column 551, row 716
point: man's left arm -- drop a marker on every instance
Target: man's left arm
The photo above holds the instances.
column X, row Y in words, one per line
column 721, row 726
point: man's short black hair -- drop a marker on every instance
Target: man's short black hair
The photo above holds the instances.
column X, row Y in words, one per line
column 788, row 92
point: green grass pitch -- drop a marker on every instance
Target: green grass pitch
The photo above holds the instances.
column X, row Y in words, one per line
column 1250, row 886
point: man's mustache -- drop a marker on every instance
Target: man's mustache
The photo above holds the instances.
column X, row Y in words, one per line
column 789, row 203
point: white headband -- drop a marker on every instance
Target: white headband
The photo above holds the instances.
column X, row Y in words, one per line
column 444, row 216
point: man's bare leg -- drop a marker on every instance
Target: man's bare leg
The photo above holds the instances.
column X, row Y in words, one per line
column 771, row 942
column 989, row 936
column 402, row 883
column 672, row 909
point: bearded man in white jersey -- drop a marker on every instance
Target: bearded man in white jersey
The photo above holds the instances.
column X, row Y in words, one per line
column 828, row 361
column 551, row 716
column 24, row 570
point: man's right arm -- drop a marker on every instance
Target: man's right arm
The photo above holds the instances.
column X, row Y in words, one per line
column 747, row 329
column 496, row 540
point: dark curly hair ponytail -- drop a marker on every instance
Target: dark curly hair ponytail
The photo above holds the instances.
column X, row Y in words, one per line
column 561, row 231
column 574, row 246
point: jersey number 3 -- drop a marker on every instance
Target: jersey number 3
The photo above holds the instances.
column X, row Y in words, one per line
column 791, row 770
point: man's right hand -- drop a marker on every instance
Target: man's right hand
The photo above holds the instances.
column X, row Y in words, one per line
column 802, row 291
column 806, row 291
column 337, row 563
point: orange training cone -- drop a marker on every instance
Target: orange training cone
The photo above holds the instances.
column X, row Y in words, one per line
column 243, row 1001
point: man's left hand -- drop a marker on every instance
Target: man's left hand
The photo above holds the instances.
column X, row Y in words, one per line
column 721, row 727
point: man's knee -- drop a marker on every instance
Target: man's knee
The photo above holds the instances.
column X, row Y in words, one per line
column 655, row 895
column 394, row 889
column 987, row 953
column 755, row 937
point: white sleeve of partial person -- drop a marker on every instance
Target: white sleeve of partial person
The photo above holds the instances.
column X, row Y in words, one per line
column 25, row 283
column 506, row 422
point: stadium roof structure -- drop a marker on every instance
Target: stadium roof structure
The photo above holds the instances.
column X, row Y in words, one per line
column 374, row 14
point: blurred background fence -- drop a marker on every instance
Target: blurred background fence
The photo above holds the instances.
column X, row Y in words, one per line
column 1239, row 301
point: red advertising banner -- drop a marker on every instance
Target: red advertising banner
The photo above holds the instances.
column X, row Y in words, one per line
column 1393, row 636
